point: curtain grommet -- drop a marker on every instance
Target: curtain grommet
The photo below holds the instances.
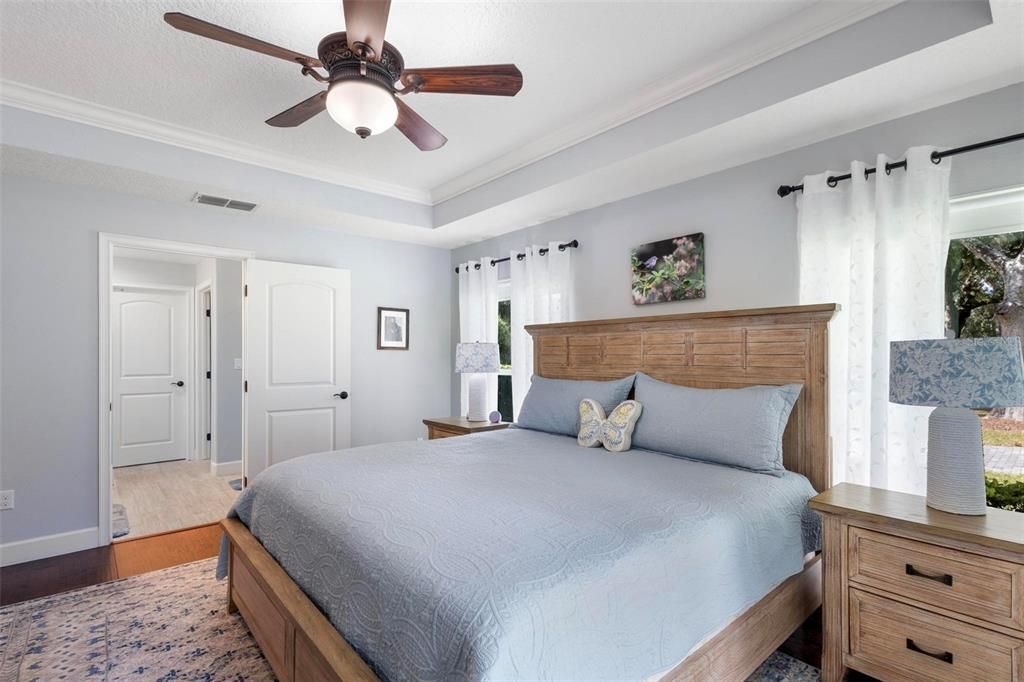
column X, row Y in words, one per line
column 936, row 158
column 832, row 181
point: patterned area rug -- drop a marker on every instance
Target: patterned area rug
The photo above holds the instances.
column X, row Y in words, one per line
column 167, row 625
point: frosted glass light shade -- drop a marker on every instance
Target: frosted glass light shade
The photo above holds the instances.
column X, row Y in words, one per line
column 361, row 106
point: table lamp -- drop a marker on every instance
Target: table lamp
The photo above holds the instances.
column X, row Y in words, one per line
column 955, row 376
column 477, row 360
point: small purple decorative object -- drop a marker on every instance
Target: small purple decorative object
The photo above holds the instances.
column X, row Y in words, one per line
column 495, row 417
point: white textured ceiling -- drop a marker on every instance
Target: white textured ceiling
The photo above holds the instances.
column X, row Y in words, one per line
column 579, row 59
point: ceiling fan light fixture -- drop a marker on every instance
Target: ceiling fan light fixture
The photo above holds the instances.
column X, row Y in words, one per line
column 361, row 106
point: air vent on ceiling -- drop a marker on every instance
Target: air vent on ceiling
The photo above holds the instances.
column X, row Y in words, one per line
column 210, row 200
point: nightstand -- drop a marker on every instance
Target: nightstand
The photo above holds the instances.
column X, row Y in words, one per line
column 912, row 593
column 446, row 427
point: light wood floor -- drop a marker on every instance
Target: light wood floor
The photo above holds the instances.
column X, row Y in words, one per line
column 171, row 495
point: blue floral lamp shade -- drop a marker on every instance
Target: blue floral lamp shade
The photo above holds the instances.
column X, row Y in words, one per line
column 955, row 376
column 472, row 358
column 476, row 360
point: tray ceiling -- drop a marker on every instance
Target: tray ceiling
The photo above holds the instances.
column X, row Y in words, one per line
column 581, row 61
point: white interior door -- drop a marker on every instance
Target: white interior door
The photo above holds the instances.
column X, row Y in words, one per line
column 297, row 350
column 149, row 358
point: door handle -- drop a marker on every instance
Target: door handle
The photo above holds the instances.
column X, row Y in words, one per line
column 343, row 395
column 179, row 384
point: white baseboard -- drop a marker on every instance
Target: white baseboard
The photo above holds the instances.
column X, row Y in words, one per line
column 226, row 468
column 47, row 546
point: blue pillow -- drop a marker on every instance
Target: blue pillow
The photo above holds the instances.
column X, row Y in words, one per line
column 739, row 427
column 553, row 405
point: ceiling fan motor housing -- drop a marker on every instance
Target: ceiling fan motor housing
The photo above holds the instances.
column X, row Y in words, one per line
column 344, row 64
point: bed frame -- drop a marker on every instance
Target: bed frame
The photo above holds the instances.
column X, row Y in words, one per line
column 726, row 349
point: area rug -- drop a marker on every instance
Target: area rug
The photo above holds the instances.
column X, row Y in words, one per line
column 119, row 521
column 167, row 625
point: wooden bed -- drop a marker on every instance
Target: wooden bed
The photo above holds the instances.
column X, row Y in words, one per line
column 726, row 349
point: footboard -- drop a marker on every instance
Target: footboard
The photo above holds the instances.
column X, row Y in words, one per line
column 296, row 638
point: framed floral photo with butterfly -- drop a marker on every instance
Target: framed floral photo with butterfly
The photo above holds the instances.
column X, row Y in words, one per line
column 669, row 270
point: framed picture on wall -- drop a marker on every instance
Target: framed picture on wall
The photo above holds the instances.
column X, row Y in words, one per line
column 392, row 329
column 668, row 270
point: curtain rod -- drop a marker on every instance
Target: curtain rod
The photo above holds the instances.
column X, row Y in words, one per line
column 937, row 157
column 520, row 256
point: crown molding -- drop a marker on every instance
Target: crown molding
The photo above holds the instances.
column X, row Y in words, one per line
column 49, row 103
column 808, row 25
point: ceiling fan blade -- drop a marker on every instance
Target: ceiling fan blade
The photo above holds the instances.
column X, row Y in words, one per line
column 365, row 21
column 419, row 132
column 495, row 79
column 301, row 112
column 184, row 22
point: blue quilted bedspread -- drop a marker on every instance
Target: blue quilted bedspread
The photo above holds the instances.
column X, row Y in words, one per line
column 520, row 555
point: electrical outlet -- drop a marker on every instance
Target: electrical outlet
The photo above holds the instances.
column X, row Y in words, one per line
column 6, row 499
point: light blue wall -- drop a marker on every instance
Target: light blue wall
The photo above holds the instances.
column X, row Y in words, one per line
column 228, row 318
column 750, row 233
column 49, row 332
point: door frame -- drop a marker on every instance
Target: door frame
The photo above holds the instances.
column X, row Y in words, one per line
column 107, row 242
column 204, row 339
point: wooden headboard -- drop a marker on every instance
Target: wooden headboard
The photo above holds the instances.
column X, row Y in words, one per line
column 725, row 349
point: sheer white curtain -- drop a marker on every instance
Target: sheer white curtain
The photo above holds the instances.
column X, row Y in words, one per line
column 876, row 246
column 478, row 317
column 542, row 291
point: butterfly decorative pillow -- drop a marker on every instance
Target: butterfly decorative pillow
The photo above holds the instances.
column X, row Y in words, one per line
column 614, row 432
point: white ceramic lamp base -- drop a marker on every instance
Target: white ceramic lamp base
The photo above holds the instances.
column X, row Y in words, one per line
column 956, row 463
column 477, row 398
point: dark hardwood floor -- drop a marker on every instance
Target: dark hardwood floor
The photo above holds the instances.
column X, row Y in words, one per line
column 805, row 643
column 44, row 577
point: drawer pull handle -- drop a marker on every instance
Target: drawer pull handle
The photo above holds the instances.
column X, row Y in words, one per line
column 945, row 656
column 945, row 578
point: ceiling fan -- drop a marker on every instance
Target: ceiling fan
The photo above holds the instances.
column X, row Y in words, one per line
column 362, row 72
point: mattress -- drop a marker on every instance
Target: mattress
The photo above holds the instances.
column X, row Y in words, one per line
column 519, row 555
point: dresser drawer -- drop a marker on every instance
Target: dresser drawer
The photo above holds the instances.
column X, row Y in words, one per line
column 915, row 644
column 972, row 585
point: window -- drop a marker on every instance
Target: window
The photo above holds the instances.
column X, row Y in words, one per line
column 505, row 345
column 985, row 297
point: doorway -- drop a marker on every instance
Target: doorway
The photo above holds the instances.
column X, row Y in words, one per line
column 171, row 382
column 166, row 473
column 290, row 324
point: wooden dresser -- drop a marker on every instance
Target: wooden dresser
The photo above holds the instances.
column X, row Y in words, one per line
column 911, row 593
column 446, row 427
